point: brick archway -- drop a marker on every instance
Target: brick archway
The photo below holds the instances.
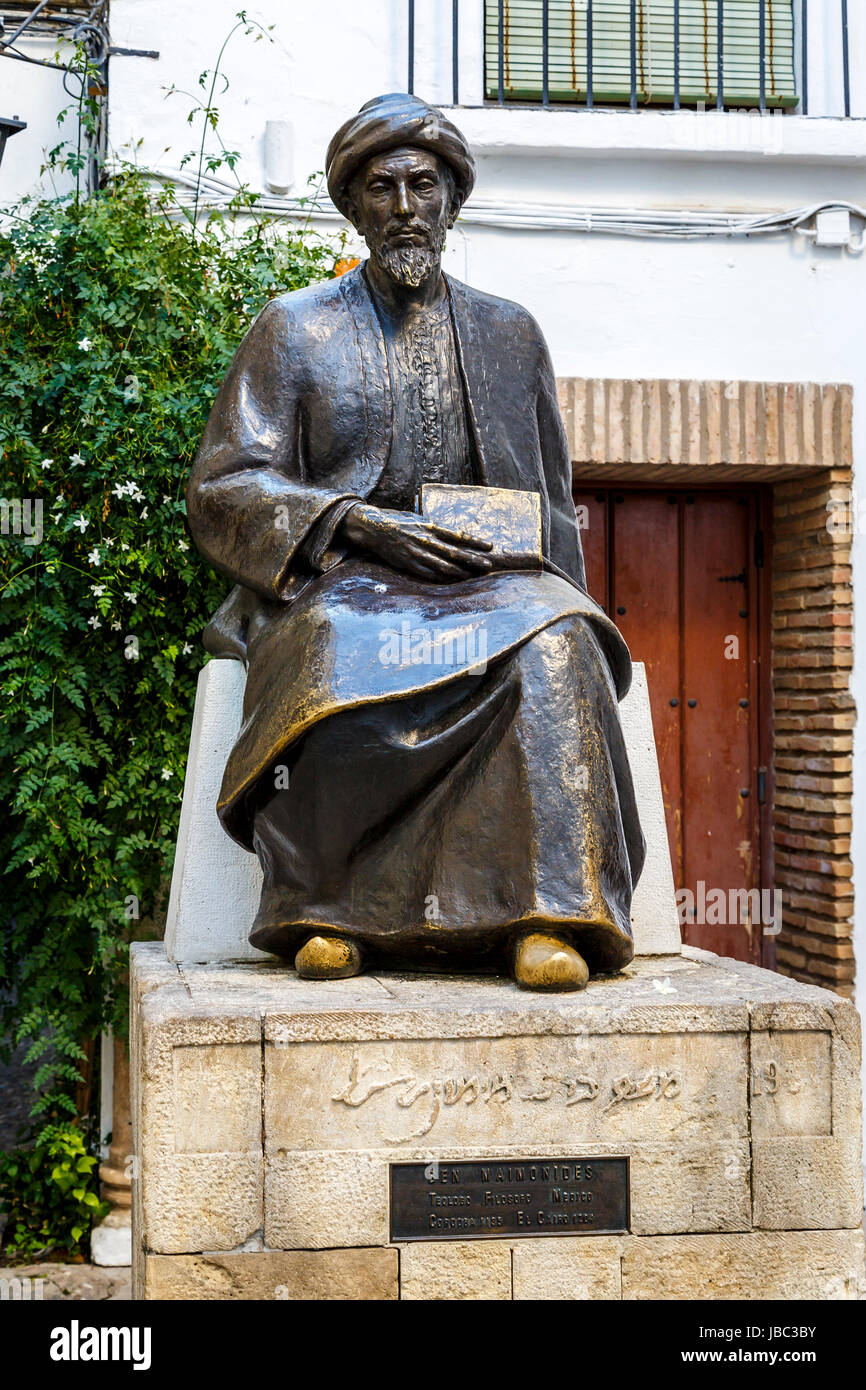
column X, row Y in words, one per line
column 797, row 440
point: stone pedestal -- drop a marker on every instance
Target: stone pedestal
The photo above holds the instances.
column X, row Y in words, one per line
column 267, row 1109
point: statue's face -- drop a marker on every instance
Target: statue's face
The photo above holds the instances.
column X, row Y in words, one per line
column 403, row 203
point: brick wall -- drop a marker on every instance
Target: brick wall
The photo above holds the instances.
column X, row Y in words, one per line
column 704, row 431
column 813, row 726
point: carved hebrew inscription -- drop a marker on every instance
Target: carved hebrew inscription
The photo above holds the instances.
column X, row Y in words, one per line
column 426, row 1094
column 507, row 1091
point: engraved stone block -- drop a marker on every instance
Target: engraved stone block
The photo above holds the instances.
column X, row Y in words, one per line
column 323, row 1200
column 217, row 1098
column 790, row 1265
column 807, row 1183
column 196, row 1117
column 846, row 1051
column 202, row 1202
column 320, row 1200
column 790, row 1085
column 481, row 1270
column 310, row 1275
column 568, row 1269
column 527, row 1091
column 692, row 1187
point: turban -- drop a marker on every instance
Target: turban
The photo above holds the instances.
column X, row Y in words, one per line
column 389, row 123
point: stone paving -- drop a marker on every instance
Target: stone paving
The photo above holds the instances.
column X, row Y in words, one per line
column 72, row 1282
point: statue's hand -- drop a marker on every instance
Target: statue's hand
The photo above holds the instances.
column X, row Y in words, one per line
column 409, row 543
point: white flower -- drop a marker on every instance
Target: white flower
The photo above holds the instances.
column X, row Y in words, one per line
column 76, row 460
column 85, row 344
column 46, row 463
column 135, row 492
column 44, row 429
column 81, row 522
column 94, row 622
column 93, row 557
column 115, row 626
column 166, row 774
column 182, row 545
column 123, row 545
column 187, row 648
column 59, row 500
column 109, row 540
column 143, row 513
column 119, row 490
column 664, row 986
column 165, row 497
column 97, row 589
column 133, row 597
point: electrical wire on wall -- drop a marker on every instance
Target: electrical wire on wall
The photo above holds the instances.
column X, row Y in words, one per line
column 85, row 77
column 671, row 223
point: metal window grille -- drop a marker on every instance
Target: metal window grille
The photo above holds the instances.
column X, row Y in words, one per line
column 671, row 53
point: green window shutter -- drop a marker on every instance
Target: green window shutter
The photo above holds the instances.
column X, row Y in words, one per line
column 611, row 60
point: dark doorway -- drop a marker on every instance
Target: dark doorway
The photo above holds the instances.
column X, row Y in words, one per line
column 682, row 575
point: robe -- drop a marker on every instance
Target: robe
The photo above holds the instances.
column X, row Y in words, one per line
column 428, row 768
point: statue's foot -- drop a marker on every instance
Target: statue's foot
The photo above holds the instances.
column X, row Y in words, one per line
column 328, row 958
column 544, row 961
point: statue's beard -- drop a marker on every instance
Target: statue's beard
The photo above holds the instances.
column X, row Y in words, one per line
column 408, row 265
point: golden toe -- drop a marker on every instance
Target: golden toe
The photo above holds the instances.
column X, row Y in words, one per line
column 544, row 961
column 328, row 958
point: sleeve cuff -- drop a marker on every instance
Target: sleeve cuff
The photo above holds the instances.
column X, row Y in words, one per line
column 318, row 549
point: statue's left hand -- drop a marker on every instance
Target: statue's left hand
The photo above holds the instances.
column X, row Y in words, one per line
column 413, row 545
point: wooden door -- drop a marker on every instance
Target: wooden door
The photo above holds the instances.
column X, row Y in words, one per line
column 681, row 574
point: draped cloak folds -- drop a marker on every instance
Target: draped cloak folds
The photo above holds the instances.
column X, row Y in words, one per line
column 427, row 798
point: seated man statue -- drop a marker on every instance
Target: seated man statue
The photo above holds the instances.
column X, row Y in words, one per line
column 460, row 813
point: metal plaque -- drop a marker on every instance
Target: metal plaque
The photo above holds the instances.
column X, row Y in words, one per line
column 509, row 1197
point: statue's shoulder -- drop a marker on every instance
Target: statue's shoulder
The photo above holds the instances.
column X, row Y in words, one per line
column 300, row 314
column 496, row 314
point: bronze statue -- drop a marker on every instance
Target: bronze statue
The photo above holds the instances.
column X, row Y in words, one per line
column 431, row 767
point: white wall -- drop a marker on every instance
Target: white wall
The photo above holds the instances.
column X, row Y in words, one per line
column 36, row 95
column 610, row 306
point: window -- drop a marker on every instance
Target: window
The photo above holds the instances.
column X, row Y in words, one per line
column 632, row 53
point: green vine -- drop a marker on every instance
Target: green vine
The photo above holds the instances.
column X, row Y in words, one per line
column 48, row 1194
